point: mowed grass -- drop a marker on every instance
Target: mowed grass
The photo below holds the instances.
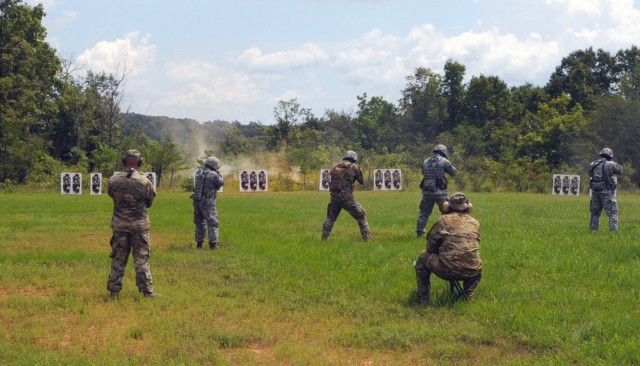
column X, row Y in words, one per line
column 273, row 294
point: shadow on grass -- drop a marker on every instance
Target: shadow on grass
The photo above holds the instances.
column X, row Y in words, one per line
column 440, row 298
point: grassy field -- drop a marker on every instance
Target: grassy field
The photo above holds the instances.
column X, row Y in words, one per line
column 274, row 294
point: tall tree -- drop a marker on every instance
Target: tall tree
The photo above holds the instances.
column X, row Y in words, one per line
column 288, row 115
column 453, row 90
column 162, row 157
column 584, row 75
column 106, row 92
column 548, row 132
column 527, row 98
column 629, row 64
column 376, row 123
column 422, row 103
column 307, row 152
column 487, row 99
column 28, row 67
column 70, row 128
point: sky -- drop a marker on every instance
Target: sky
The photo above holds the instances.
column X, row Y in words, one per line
column 234, row 60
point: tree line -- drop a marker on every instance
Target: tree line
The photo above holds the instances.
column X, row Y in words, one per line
column 499, row 137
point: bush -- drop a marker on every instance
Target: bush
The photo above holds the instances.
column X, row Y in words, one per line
column 187, row 184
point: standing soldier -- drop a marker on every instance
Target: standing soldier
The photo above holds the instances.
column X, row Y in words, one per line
column 603, row 189
column 132, row 194
column 434, row 185
column 343, row 175
column 205, row 215
column 453, row 250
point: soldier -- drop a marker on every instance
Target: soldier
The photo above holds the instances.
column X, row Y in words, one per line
column 603, row 189
column 132, row 194
column 343, row 175
column 434, row 185
column 453, row 249
column 205, row 215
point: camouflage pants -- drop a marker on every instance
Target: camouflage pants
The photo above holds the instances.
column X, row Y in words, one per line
column 353, row 208
column 606, row 200
column 205, row 216
column 428, row 263
column 426, row 206
column 122, row 244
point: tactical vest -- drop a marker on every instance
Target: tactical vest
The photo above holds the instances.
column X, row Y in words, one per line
column 339, row 176
column 434, row 175
column 197, row 186
column 599, row 179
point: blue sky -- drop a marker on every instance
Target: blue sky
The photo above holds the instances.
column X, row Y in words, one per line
column 234, row 60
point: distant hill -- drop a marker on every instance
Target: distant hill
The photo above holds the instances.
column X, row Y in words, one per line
column 185, row 131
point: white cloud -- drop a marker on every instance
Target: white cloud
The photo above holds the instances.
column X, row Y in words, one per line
column 371, row 59
column 580, row 7
column 189, row 71
column 134, row 51
column 307, row 54
column 204, row 87
column 47, row 4
column 61, row 22
column 490, row 52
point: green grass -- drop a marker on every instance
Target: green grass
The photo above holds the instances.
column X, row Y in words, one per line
column 552, row 292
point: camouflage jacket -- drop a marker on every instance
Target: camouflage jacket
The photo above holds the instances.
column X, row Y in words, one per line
column 343, row 175
column 602, row 170
column 207, row 184
column 433, row 172
column 455, row 238
column 132, row 193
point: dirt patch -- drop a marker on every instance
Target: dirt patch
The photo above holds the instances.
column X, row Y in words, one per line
column 28, row 291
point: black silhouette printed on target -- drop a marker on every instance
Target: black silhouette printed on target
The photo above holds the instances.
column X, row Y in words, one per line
column 387, row 179
column 76, row 184
column 575, row 185
column 152, row 178
column 262, row 180
column 253, row 181
column 244, row 181
column 65, row 183
column 396, row 179
column 378, row 183
column 557, row 184
column 96, row 183
column 325, row 178
column 565, row 185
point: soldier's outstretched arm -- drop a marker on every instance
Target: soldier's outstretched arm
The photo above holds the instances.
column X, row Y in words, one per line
column 359, row 177
column 451, row 169
column 219, row 181
column 151, row 196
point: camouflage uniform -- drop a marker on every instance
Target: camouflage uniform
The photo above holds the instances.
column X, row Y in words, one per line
column 434, row 185
column 343, row 175
column 132, row 194
column 453, row 253
column 603, row 190
column 205, row 215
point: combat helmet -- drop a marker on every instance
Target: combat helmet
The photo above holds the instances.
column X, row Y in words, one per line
column 440, row 149
column 351, row 155
column 212, row 162
column 606, row 153
column 130, row 153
